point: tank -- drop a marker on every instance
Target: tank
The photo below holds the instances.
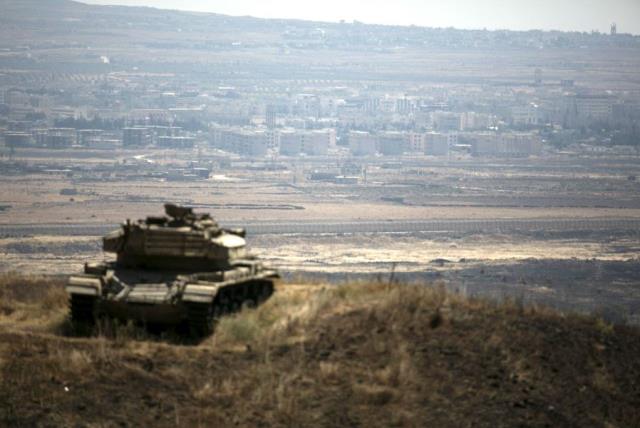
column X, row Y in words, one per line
column 178, row 269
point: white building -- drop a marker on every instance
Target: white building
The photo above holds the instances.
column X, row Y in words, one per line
column 509, row 144
column 594, row 107
column 439, row 144
column 318, row 142
column 528, row 115
column 473, row 120
column 416, row 141
column 247, row 142
column 393, row 143
column 362, row 143
column 313, row 143
column 447, row 121
column 290, row 144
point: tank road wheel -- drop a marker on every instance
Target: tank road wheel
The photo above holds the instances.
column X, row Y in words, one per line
column 83, row 309
column 238, row 297
column 224, row 302
column 201, row 318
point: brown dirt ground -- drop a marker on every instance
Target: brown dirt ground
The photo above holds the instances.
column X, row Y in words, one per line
column 352, row 355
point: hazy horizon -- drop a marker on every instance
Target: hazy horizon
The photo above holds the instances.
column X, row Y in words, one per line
column 586, row 15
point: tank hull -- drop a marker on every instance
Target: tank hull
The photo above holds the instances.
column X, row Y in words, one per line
column 167, row 299
column 163, row 314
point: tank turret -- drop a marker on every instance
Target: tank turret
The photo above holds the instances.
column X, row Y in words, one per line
column 181, row 239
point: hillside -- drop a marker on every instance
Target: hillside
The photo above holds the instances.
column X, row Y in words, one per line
column 63, row 36
column 314, row 355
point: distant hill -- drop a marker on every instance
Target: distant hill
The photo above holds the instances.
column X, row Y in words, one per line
column 64, row 18
column 71, row 37
column 70, row 17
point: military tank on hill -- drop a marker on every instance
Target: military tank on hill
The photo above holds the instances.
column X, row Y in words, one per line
column 181, row 268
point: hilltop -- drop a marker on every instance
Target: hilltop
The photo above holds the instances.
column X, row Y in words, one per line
column 322, row 355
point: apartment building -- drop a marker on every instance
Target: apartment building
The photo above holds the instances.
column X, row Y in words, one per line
column 508, row 144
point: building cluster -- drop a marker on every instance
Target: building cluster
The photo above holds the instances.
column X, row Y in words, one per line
column 509, row 144
column 316, row 118
column 20, row 135
column 396, row 143
column 441, row 144
column 261, row 141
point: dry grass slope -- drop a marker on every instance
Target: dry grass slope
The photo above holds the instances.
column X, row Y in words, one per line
column 314, row 355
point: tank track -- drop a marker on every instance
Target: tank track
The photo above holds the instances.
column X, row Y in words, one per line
column 201, row 317
column 264, row 291
column 83, row 309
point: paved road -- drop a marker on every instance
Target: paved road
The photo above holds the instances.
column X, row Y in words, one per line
column 308, row 228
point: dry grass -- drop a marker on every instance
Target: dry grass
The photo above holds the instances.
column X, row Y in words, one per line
column 369, row 354
column 34, row 301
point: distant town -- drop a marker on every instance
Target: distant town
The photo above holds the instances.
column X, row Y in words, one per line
column 272, row 118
